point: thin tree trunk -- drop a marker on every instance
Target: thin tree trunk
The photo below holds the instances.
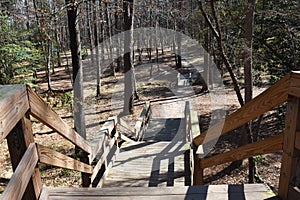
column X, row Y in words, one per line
column 96, row 42
column 49, row 65
column 128, row 65
column 249, row 26
column 218, row 35
column 78, row 105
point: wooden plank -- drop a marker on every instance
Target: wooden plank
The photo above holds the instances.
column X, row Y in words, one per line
column 13, row 106
column 127, row 139
column 195, row 124
column 198, row 178
column 269, row 145
column 124, row 124
column 106, row 131
column 44, row 194
column 272, row 97
column 20, row 179
column 157, row 191
column 103, row 158
column 292, row 118
column 18, row 141
column 40, row 110
column 53, row 158
column 297, row 140
column 142, row 121
column 28, row 136
column 294, row 193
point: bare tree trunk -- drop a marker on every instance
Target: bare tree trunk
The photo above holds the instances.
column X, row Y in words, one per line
column 78, row 105
column 218, row 35
column 249, row 26
column 96, row 42
column 49, row 65
column 128, row 65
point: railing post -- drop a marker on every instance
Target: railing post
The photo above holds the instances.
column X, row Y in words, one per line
column 290, row 172
column 198, row 170
column 18, row 141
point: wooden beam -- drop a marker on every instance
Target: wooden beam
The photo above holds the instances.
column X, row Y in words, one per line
column 269, row 145
column 272, row 97
column 28, row 136
column 44, row 194
column 142, row 120
column 106, row 132
column 13, row 106
column 297, row 141
column 40, row 110
column 53, row 158
column 20, row 179
column 288, row 161
column 195, row 124
column 106, row 150
column 18, row 141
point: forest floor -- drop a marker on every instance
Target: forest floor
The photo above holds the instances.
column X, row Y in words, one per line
column 159, row 91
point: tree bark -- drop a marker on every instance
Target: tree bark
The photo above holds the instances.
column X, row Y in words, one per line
column 249, row 26
column 218, row 35
column 128, row 65
column 75, row 46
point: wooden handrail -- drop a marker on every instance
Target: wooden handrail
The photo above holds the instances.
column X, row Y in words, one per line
column 106, row 132
column 272, row 97
column 16, row 104
column 20, row 179
column 142, row 120
column 269, row 145
column 40, row 110
column 13, row 105
column 53, row 158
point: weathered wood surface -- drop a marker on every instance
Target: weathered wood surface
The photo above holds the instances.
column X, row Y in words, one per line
column 272, row 97
column 40, row 110
column 21, row 177
column 291, row 129
column 269, row 145
column 297, row 140
column 141, row 123
column 13, row 106
column 106, row 132
column 212, row 192
column 159, row 161
column 107, row 146
column 54, row 158
column 18, row 141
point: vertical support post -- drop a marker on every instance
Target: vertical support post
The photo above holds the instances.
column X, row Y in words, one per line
column 198, row 170
column 290, row 157
column 18, row 141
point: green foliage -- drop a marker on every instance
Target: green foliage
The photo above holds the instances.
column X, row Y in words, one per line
column 276, row 43
column 18, row 56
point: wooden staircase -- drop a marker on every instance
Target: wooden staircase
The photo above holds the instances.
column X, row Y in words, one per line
column 147, row 159
column 211, row 192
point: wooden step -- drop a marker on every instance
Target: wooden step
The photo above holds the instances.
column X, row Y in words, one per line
column 211, row 192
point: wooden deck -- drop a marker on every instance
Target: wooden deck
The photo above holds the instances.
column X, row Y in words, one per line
column 155, row 162
column 211, row 192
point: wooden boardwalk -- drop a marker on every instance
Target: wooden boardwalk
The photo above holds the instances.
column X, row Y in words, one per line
column 211, row 192
column 157, row 161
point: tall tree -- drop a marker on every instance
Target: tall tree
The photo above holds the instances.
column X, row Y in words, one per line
column 128, row 7
column 78, row 99
column 249, row 26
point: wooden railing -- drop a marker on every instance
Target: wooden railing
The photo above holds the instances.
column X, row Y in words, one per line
column 192, row 129
column 286, row 90
column 17, row 103
column 142, row 121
